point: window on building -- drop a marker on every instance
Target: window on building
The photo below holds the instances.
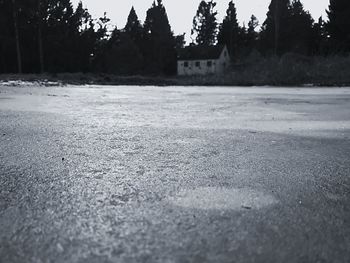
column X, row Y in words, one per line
column 225, row 53
column 198, row 64
column 186, row 64
column 209, row 63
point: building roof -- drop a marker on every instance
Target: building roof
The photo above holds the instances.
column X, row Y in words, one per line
column 200, row 52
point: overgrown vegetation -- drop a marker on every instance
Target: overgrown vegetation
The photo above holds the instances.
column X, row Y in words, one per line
column 289, row 70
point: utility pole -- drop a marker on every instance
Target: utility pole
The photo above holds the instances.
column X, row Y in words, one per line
column 18, row 48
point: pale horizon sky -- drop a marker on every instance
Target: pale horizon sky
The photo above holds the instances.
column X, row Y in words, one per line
column 181, row 12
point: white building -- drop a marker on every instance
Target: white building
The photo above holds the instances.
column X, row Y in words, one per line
column 203, row 60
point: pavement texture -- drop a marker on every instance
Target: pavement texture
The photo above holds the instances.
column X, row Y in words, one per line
column 174, row 174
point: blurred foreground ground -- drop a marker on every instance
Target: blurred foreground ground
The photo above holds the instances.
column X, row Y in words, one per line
column 174, row 174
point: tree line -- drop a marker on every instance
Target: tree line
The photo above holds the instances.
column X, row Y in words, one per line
column 39, row 36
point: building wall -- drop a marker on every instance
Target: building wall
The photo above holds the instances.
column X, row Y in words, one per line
column 201, row 67
column 224, row 61
column 196, row 67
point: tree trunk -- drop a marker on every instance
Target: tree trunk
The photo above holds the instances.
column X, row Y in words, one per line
column 277, row 27
column 3, row 64
column 18, row 48
column 40, row 38
column 41, row 52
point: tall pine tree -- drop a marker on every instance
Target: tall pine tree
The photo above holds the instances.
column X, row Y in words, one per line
column 205, row 24
column 159, row 47
column 338, row 26
column 59, row 31
column 133, row 27
column 230, row 32
column 319, row 37
column 16, row 26
column 122, row 52
column 7, row 39
column 252, row 35
column 85, row 39
column 274, row 34
column 301, row 29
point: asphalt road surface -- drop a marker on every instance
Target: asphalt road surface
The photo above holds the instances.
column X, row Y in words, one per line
column 174, row 174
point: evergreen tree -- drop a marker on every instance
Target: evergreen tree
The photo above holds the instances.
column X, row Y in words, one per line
column 102, row 43
column 253, row 24
column 230, row 31
column 103, row 25
column 319, row 37
column 28, row 34
column 69, row 37
column 288, row 28
column 15, row 10
column 24, row 34
column 123, row 54
column 39, row 21
column 301, row 29
column 240, row 40
column 205, row 24
column 252, row 35
column 59, row 31
column 84, row 39
column 7, row 40
column 180, row 41
column 338, row 26
column 159, row 43
column 81, row 18
column 133, row 27
column 134, row 31
column 274, row 34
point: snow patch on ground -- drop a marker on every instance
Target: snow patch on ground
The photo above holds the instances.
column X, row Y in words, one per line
column 36, row 83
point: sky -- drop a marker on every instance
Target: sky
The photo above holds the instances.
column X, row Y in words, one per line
column 181, row 12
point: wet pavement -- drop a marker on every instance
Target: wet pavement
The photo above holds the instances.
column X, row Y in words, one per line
column 174, row 174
